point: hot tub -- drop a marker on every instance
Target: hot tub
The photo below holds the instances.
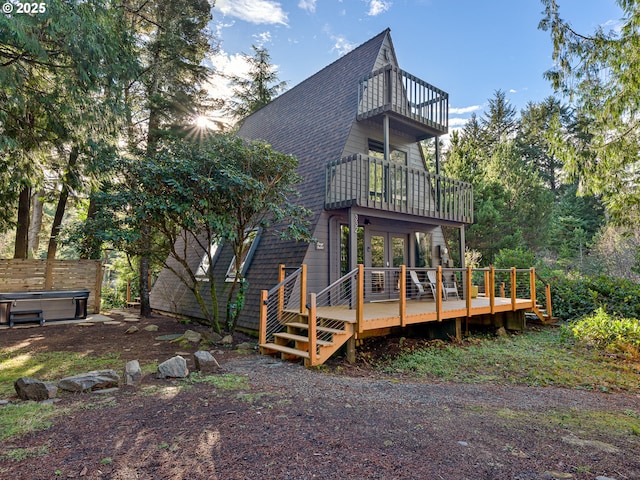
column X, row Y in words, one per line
column 43, row 306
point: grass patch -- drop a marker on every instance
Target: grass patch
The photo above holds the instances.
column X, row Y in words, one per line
column 591, row 422
column 22, row 418
column 48, row 366
column 17, row 454
column 225, row 381
column 536, row 358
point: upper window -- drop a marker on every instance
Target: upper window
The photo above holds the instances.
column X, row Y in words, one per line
column 250, row 245
column 202, row 273
column 376, row 150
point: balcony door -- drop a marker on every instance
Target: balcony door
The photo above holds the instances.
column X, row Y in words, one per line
column 385, row 251
column 387, row 179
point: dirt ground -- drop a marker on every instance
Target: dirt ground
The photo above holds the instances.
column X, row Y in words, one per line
column 288, row 422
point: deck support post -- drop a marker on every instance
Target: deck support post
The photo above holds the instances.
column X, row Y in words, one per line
column 262, row 332
column 439, row 292
column 312, row 330
column 281, row 274
column 351, row 349
column 360, row 300
column 492, row 289
column 532, row 282
column 513, row 289
column 403, row 295
column 303, row 289
column 467, row 293
column 548, row 295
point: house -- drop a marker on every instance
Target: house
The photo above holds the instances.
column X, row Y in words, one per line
column 377, row 200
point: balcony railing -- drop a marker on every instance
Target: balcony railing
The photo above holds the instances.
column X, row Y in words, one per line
column 370, row 182
column 393, row 90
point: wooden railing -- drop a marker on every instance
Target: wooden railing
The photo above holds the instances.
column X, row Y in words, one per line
column 283, row 303
column 391, row 89
column 360, row 180
column 517, row 285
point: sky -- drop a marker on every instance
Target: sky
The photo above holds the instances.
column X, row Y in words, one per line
column 468, row 48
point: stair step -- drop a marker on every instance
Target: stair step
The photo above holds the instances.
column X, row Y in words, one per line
column 283, row 349
column 336, row 331
column 299, row 338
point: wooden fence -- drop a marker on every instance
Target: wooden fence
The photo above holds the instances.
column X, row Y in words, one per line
column 17, row 275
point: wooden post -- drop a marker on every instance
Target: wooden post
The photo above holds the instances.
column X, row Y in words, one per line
column 548, row 292
column 128, row 291
column 262, row 332
column 502, row 292
column 439, row 293
column 403, row 295
column 492, row 290
column 360, row 300
column 513, row 288
column 303, row 289
column 312, row 329
column 532, row 281
column 281, row 275
column 486, row 283
column 468, row 292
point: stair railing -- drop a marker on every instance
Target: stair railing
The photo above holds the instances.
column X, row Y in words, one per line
column 547, row 295
column 347, row 291
column 283, row 303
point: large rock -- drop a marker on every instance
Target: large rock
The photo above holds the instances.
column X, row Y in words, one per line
column 97, row 379
column 193, row 337
column 132, row 373
column 205, row 362
column 34, row 389
column 175, row 367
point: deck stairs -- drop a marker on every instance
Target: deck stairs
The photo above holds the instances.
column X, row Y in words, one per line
column 539, row 313
column 292, row 342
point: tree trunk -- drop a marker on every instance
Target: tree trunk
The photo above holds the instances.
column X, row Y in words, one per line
column 36, row 224
column 91, row 246
column 145, row 303
column 22, row 230
column 62, row 204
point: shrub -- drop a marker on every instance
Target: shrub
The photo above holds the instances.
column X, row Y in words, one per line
column 574, row 298
column 608, row 332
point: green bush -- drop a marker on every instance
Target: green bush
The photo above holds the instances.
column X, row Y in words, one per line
column 574, row 298
column 608, row 332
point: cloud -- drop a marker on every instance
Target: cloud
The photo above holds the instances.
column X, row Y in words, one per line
column 513, row 90
column 254, row 11
column 342, row 45
column 463, row 110
column 457, row 122
column 308, row 5
column 376, row 7
column 262, row 38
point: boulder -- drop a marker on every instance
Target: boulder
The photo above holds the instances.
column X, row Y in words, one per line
column 205, row 362
column 132, row 329
column 34, row 389
column 227, row 340
column 132, row 373
column 175, row 367
column 97, row 379
column 193, row 337
column 151, row 328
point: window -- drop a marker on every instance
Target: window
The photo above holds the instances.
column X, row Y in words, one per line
column 387, row 181
column 202, row 273
column 250, row 245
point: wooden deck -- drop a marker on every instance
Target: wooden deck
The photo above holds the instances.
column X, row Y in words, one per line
column 294, row 322
column 388, row 313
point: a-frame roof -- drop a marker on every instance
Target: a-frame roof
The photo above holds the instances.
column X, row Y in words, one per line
column 312, row 120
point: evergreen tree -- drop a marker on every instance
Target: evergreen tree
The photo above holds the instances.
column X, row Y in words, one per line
column 598, row 72
column 258, row 88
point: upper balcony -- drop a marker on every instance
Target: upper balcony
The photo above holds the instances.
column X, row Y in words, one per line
column 413, row 105
column 364, row 181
